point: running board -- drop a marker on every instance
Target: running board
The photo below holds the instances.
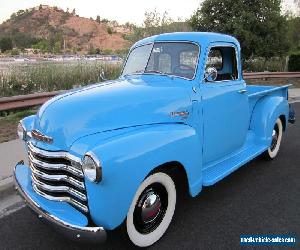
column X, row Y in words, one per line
column 217, row 172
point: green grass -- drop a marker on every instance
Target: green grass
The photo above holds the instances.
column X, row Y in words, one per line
column 42, row 77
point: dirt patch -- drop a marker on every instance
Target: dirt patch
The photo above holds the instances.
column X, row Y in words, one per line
column 9, row 124
column 8, row 130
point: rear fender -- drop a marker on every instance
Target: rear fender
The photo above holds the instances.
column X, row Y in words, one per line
column 265, row 114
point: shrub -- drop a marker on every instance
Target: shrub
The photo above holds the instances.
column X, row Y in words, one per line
column 294, row 62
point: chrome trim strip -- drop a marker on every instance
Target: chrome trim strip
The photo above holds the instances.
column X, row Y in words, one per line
column 53, row 154
column 59, row 189
column 62, row 198
column 98, row 164
column 53, row 177
column 93, row 234
column 49, row 166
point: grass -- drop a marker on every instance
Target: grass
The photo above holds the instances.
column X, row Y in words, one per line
column 9, row 123
column 49, row 76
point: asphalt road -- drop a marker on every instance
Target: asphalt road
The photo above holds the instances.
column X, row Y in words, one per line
column 262, row 197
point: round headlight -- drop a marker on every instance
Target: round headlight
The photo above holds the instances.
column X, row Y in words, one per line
column 92, row 168
column 20, row 131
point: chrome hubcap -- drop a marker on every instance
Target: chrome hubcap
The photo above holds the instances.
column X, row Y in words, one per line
column 151, row 208
column 274, row 138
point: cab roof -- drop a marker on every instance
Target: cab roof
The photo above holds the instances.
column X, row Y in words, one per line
column 198, row 37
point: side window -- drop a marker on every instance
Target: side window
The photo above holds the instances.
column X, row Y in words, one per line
column 164, row 63
column 215, row 59
column 224, row 60
column 189, row 58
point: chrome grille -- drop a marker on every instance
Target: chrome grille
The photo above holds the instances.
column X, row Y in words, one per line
column 58, row 176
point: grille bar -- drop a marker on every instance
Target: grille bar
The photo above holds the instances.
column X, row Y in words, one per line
column 59, row 189
column 61, row 198
column 59, row 167
column 53, row 154
column 57, row 176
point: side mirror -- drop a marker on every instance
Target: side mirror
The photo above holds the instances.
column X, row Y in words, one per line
column 211, row 74
column 102, row 75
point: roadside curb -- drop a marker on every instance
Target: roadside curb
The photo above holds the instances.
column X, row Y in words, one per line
column 6, row 185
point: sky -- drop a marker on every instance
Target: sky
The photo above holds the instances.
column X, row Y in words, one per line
column 119, row 10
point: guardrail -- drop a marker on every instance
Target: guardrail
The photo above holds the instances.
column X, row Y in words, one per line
column 27, row 101
column 259, row 75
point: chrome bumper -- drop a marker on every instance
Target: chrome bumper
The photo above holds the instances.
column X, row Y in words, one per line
column 73, row 232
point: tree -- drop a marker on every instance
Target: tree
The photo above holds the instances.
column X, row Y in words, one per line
column 98, row 20
column 297, row 4
column 57, row 47
column 257, row 24
column 293, row 33
column 6, row 44
column 109, row 30
column 156, row 23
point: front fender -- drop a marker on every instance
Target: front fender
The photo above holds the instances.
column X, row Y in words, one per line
column 128, row 158
column 265, row 114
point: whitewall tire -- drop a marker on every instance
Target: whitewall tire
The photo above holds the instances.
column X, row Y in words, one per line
column 152, row 210
column 277, row 132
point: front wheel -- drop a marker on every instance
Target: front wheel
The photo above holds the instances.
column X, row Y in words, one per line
column 152, row 210
column 277, row 132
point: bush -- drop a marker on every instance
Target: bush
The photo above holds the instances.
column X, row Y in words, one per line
column 15, row 52
column 294, row 62
column 258, row 64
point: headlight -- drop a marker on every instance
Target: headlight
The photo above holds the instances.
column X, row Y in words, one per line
column 92, row 168
column 21, row 132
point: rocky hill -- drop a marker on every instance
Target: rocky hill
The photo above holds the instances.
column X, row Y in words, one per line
column 52, row 23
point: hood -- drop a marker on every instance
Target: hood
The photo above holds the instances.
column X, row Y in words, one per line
column 126, row 102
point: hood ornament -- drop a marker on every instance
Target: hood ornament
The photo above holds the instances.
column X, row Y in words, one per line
column 40, row 137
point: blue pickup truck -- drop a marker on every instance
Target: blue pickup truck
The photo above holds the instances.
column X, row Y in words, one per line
column 113, row 154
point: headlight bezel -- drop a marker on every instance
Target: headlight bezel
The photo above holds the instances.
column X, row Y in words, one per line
column 92, row 174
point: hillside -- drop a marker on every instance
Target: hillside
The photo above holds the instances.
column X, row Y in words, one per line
column 72, row 31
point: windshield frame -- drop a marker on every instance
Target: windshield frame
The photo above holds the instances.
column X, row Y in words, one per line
column 164, row 74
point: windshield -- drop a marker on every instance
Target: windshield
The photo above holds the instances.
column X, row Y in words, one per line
column 167, row 58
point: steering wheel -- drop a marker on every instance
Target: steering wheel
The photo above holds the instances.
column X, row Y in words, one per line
column 183, row 67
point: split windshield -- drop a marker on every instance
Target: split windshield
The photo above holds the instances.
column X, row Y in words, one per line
column 166, row 58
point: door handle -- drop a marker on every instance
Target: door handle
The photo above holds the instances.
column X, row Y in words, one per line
column 242, row 91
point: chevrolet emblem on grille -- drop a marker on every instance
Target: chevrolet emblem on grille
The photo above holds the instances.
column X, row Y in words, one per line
column 40, row 137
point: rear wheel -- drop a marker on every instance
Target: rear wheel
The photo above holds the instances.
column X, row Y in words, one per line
column 277, row 132
column 152, row 210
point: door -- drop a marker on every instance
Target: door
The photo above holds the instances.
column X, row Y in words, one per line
column 225, row 105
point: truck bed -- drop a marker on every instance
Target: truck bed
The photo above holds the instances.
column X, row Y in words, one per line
column 256, row 92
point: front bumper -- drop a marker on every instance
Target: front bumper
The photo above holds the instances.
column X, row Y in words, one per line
column 73, row 227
